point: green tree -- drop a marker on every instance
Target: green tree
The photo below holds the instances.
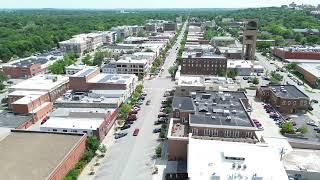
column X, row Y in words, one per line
column 303, row 129
column 3, row 77
column 92, row 143
column 124, row 110
column 292, row 66
column 172, row 71
column 158, row 151
column 232, row 73
column 221, row 72
column 255, row 81
column 98, row 58
column 287, row 127
column 87, row 60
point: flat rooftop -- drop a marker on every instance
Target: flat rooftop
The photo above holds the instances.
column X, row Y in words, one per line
column 313, row 68
column 40, row 83
column 81, row 112
column 206, row 55
column 33, row 155
column 85, row 72
column 10, row 120
column 112, row 78
column 302, row 159
column 314, row 49
column 183, row 103
column 220, row 109
column 286, row 91
column 80, row 123
column 190, row 81
column 211, row 159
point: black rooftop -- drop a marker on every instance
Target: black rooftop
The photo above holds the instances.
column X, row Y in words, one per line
column 183, row 103
column 220, row 108
column 286, row 91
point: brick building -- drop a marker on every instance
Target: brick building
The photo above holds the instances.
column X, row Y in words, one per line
column 217, row 115
column 202, row 63
column 310, row 72
column 91, row 121
column 169, row 26
column 28, row 67
column 44, row 156
column 297, row 52
column 285, row 98
column 91, row 79
column 35, row 96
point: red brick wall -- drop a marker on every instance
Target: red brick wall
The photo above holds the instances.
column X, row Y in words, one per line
column 295, row 55
column 104, row 128
column 177, row 150
column 26, row 108
column 18, row 72
column 78, row 83
column 69, row 161
column 26, row 124
column 307, row 76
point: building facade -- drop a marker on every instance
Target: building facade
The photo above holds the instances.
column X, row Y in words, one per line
column 203, row 64
column 286, row 99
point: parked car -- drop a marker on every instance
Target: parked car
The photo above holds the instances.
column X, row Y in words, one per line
column 156, row 130
column 136, row 108
column 314, row 101
column 163, row 119
column 142, row 98
column 133, row 112
column 289, row 75
column 161, row 114
column 131, row 117
column 312, row 123
column 144, row 93
column 136, row 132
column 148, row 102
column 125, row 126
column 164, row 101
column 245, row 78
column 129, row 122
column 120, row 135
column 162, row 109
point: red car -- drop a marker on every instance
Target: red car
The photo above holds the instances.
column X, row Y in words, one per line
column 136, row 132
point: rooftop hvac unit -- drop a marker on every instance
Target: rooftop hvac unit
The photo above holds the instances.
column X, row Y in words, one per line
column 213, row 117
column 208, row 114
column 228, row 118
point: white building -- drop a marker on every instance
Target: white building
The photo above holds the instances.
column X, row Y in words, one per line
column 244, row 67
column 221, row 160
column 81, row 43
column 131, row 66
column 73, row 69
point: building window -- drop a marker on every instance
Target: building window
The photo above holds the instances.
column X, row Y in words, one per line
column 85, row 132
column 64, row 130
column 283, row 102
column 294, row 103
column 177, row 114
column 227, row 133
column 206, row 132
column 54, row 130
column 194, row 131
column 289, row 103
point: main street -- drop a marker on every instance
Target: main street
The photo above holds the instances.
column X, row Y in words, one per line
column 131, row 157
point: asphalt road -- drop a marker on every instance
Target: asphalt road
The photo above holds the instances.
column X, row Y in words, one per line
column 131, row 157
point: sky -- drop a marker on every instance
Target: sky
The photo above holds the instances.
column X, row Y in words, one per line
column 111, row 4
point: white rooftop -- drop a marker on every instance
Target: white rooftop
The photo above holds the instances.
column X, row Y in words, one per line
column 26, row 93
column 313, row 68
column 190, row 81
column 302, row 159
column 113, row 78
column 73, row 123
column 40, row 83
column 129, row 60
column 210, row 159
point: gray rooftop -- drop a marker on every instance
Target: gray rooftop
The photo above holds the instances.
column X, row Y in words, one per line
column 183, row 103
column 286, row 91
column 220, row 108
column 10, row 120
column 30, row 61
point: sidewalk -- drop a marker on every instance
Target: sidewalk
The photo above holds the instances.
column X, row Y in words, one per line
column 108, row 142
